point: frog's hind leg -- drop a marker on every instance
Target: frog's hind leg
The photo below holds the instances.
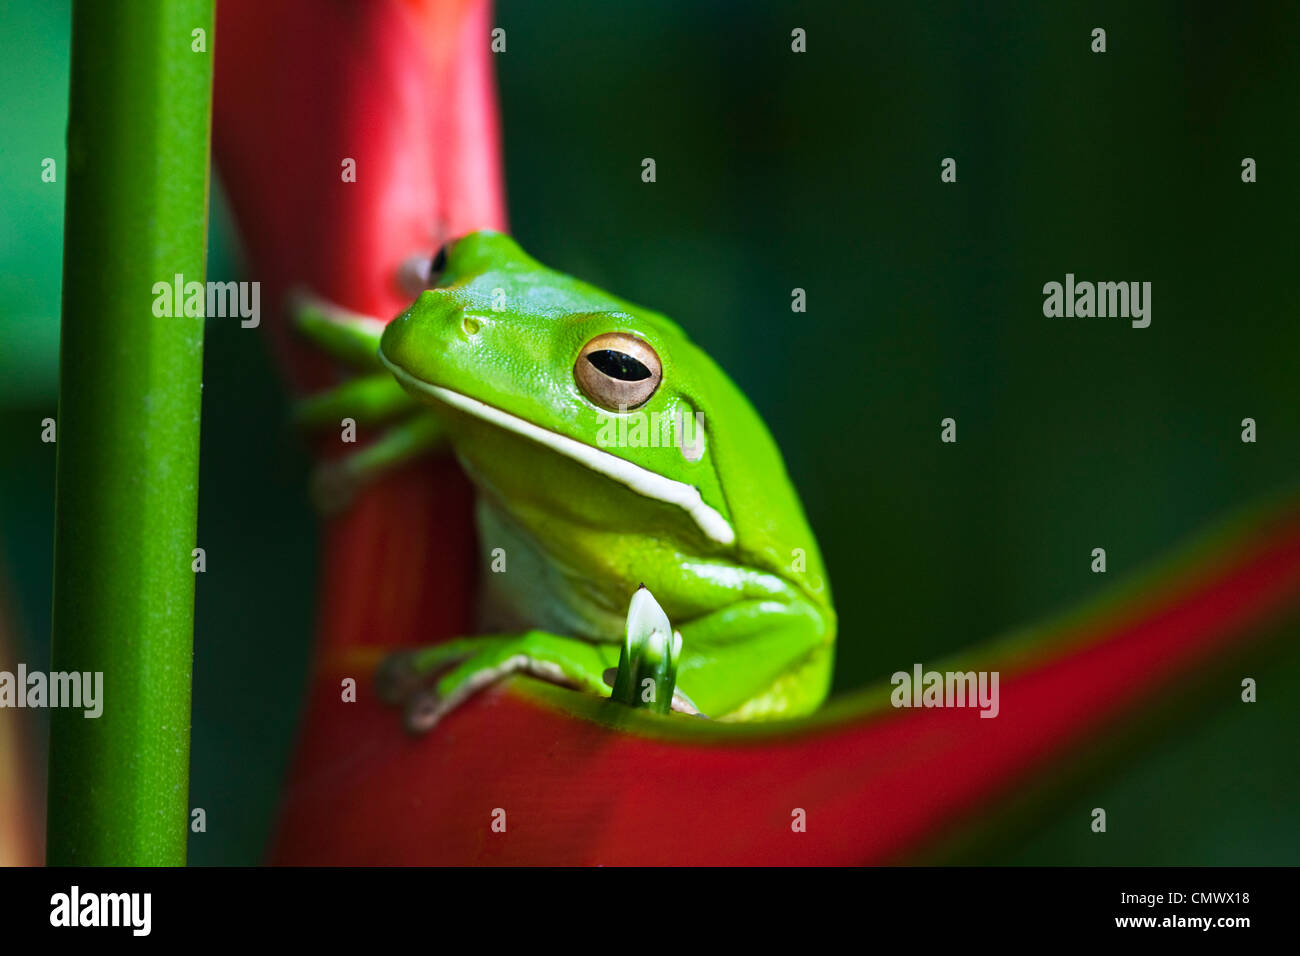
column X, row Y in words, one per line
column 348, row 336
column 334, row 483
column 370, row 400
column 410, row 429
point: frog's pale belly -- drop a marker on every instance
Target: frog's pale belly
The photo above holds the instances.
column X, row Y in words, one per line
column 536, row 590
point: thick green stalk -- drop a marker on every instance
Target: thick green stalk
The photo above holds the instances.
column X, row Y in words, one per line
column 128, row 428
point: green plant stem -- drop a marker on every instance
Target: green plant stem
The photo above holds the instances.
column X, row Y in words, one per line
column 128, row 429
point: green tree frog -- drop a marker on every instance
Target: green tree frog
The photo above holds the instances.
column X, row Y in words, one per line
column 607, row 452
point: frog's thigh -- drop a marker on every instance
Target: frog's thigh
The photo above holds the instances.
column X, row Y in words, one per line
column 735, row 657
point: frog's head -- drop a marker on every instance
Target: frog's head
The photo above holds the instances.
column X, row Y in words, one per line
column 558, row 390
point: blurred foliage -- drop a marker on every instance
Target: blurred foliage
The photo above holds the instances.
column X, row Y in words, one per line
column 821, row 171
column 34, row 58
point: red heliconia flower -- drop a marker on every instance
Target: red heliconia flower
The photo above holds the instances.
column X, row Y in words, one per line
column 405, row 92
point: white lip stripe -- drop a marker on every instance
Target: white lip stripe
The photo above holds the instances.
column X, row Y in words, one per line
column 641, row 480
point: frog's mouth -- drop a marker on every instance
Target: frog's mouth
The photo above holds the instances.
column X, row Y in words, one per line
column 641, row 480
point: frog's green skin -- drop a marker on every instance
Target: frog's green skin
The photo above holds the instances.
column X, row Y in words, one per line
column 490, row 350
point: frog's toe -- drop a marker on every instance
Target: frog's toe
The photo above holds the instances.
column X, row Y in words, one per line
column 684, row 705
column 396, row 678
column 403, row 673
column 425, row 707
column 423, row 711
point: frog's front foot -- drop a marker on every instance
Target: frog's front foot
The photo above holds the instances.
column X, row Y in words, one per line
column 432, row 681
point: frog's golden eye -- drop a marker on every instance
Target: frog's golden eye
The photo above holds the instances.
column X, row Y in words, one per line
column 618, row 371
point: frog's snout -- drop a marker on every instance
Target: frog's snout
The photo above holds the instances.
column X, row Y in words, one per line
column 406, row 340
column 428, row 332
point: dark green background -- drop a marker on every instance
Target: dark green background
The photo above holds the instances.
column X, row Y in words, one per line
column 821, row 171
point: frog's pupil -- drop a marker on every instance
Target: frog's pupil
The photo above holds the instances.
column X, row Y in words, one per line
column 439, row 262
column 618, row 365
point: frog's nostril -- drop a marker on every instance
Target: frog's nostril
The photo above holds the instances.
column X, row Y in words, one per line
column 470, row 325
